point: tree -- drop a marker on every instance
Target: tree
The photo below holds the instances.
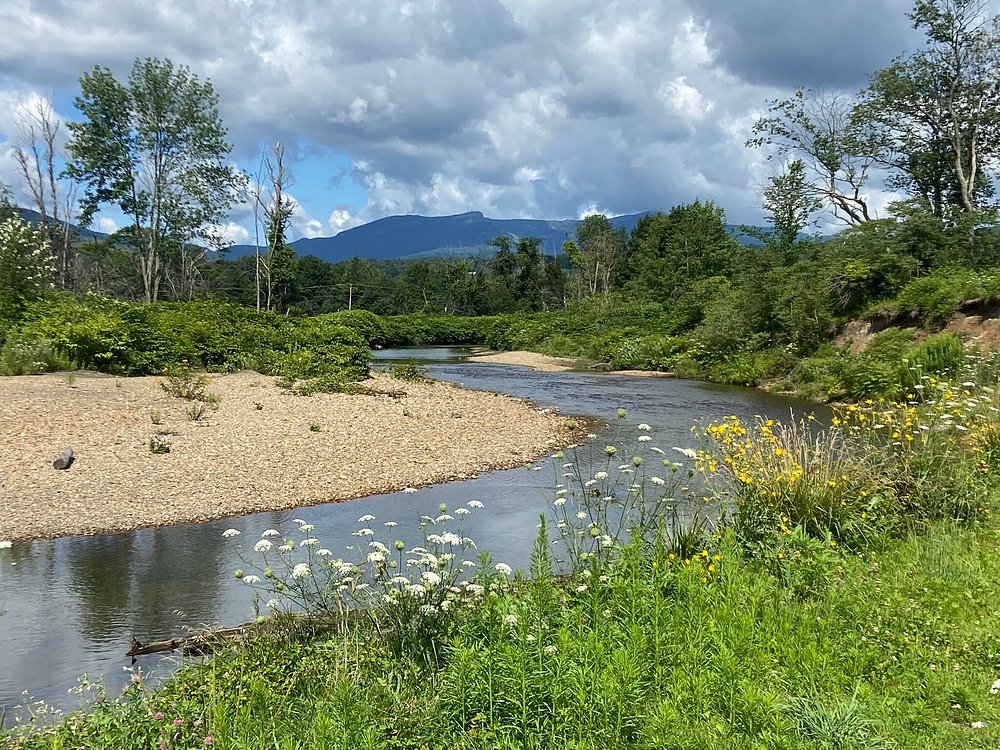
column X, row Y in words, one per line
column 819, row 130
column 155, row 148
column 671, row 251
column 789, row 202
column 936, row 115
column 38, row 155
column 596, row 254
column 280, row 266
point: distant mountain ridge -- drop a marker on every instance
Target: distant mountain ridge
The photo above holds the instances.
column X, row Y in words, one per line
column 413, row 236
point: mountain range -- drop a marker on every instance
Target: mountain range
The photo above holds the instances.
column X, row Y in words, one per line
column 412, row 236
column 465, row 234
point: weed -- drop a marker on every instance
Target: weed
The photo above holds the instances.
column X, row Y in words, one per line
column 315, row 427
column 408, row 371
column 182, row 382
column 159, row 445
column 155, row 417
column 195, row 411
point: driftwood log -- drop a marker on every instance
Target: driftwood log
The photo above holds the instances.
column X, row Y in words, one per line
column 64, row 460
column 206, row 641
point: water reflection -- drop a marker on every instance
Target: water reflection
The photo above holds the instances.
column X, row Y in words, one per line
column 72, row 605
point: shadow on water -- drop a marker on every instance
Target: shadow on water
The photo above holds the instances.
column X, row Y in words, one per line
column 70, row 606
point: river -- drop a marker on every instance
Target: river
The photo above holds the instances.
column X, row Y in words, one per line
column 71, row 606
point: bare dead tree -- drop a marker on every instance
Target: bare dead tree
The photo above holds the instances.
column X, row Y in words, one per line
column 37, row 155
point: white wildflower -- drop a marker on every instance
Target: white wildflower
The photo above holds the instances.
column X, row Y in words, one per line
column 262, row 546
column 559, row 502
column 644, row 438
column 995, row 688
column 300, row 571
column 414, row 589
column 409, row 489
column 504, row 569
column 228, row 533
column 687, row 452
column 306, row 528
column 468, row 564
column 581, row 515
column 657, row 481
column 364, row 532
column 5, row 544
column 273, row 604
column 390, row 524
column 310, row 542
column 324, row 552
column 474, row 504
column 269, row 532
column 430, row 578
column 250, row 580
column 581, row 588
column 376, row 557
column 644, row 427
column 550, row 649
column 978, row 725
column 462, row 511
column 366, row 518
column 286, row 547
column 511, row 619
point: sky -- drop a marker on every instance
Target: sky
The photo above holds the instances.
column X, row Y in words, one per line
column 547, row 109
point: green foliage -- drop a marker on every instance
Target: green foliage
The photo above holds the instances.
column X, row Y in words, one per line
column 130, row 339
column 409, row 371
column 155, row 148
column 29, row 355
column 936, row 297
column 25, row 267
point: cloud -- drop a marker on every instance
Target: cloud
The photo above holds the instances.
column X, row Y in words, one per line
column 511, row 107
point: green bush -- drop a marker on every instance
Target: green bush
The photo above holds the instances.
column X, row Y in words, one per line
column 26, row 355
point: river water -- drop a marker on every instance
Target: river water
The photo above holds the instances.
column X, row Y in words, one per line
column 71, row 606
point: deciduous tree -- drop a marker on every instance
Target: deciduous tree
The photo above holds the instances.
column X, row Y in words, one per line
column 156, row 148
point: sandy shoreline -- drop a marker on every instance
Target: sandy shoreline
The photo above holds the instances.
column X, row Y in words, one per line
column 545, row 363
column 261, row 450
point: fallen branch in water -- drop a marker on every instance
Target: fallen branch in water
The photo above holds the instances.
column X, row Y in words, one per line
column 206, row 641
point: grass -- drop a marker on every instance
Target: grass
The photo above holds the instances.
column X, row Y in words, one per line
column 899, row 650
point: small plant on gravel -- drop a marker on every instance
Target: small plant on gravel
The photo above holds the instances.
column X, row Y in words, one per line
column 408, row 371
column 158, row 445
column 315, row 427
column 258, row 405
column 155, row 417
column 195, row 411
column 183, row 382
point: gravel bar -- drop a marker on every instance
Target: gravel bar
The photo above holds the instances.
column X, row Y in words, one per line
column 261, row 449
